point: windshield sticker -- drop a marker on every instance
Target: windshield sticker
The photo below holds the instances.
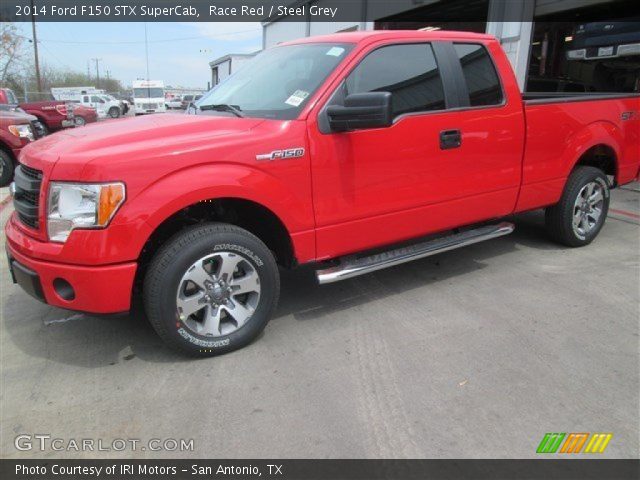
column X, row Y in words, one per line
column 335, row 51
column 297, row 98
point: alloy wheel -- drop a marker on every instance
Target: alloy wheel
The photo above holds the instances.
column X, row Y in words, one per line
column 587, row 208
column 218, row 294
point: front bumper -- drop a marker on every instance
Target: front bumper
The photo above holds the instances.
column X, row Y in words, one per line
column 95, row 289
column 68, row 123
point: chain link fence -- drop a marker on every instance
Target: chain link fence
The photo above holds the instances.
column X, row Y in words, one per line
column 45, row 96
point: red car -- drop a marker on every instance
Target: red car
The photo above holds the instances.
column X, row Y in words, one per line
column 53, row 114
column 350, row 152
column 83, row 114
column 17, row 129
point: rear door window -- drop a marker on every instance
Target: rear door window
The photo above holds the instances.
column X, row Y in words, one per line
column 480, row 75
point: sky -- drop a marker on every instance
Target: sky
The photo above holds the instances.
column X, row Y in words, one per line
column 179, row 53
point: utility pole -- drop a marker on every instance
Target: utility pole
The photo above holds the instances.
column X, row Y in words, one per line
column 97, row 71
column 35, row 47
column 146, row 48
column 89, row 70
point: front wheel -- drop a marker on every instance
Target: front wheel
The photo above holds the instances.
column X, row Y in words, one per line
column 578, row 217
column 79, row 121
column 211, row 289
column 114, row 112
column 6, row 168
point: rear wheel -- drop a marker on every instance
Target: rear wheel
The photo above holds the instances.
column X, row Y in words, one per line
column 211, row 289
column 6, row 168
column 580, row 214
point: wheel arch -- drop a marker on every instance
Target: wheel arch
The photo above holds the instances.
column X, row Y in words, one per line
column 601, row 156
column 597, row 145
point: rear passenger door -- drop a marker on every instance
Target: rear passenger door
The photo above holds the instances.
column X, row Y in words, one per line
column 423, row 174
column 492, row 129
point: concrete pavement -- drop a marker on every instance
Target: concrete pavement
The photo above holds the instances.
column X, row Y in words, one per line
column 474, row 353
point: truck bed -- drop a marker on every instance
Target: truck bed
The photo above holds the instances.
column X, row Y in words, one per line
column 561, row 128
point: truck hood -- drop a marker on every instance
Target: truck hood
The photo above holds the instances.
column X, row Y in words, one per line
column 13, row 117
column 140, row 138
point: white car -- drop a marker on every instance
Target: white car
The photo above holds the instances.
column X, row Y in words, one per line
column 175, row 102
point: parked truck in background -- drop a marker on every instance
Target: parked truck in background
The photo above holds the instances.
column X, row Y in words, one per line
column 83, row 114
column 105, row 105
column 148, row 97
column 350, row 152
column 16, row 130
column 53, row 114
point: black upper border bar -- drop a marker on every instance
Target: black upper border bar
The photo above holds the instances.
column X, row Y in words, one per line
column 299, row 11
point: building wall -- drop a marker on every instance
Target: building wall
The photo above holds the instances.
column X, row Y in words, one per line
column 281, row 31
column 228, row 67
column 223, row 71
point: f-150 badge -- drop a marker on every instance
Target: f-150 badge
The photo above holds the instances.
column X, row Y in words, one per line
column 282, row 154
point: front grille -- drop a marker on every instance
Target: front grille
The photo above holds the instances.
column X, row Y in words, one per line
column 38, row 129
column 32, row 173
column 26, row 198
column 149, row 106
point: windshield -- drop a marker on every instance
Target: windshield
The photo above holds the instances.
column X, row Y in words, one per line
column 148, row 92
column 11, row 97
column 278, row 82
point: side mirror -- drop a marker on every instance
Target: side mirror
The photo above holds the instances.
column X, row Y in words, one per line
column 361, row 111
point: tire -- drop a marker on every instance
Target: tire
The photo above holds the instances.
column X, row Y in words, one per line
column 114, row 112
column 578, row 217
column 79, row 121
column 187, row 307
column 6, row 168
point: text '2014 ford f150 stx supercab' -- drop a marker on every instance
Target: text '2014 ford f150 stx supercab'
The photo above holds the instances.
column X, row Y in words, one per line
column 352, row 151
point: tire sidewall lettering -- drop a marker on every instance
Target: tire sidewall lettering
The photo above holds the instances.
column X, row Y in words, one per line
column 241, row 250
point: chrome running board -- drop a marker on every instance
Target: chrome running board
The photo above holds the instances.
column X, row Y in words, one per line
column 353, row 266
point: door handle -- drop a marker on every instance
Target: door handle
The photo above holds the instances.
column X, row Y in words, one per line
column 450, row 139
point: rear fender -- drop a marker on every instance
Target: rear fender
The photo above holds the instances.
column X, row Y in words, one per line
column 594, row 134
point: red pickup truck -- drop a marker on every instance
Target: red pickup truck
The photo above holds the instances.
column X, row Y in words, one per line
column 353, row 151
column 16, row 130
column 53, row 114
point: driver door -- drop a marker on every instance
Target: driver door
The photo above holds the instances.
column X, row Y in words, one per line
column 379, row 186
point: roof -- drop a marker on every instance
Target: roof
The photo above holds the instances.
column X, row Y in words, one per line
column 372, row 35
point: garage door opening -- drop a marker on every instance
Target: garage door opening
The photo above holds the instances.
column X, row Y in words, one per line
column 584, row 55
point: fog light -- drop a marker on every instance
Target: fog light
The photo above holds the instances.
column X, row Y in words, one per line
column 64, row 289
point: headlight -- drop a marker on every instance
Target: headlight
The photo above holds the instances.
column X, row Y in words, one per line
column 81, row 205
column 22, row 131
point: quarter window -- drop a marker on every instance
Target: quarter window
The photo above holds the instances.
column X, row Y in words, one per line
column 480, row 75
column 409, row 72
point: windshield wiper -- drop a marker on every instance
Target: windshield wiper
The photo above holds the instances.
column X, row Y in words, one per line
column 223, row 107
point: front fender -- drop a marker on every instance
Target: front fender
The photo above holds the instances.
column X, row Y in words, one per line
column 183, row 188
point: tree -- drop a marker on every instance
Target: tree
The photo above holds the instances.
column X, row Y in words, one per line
column 18, row 72
column 11, row 52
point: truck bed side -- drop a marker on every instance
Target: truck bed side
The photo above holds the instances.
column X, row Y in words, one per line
column 561, row 133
